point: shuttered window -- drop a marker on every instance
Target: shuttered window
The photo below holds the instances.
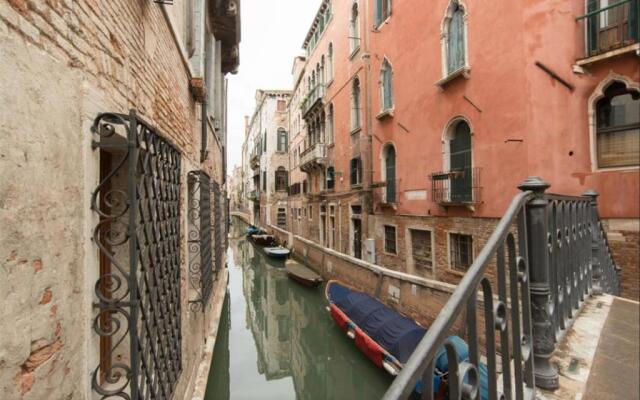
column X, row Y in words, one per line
column 455, row 41
column 421, row 249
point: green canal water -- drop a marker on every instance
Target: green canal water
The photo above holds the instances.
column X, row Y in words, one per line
column 277, row 341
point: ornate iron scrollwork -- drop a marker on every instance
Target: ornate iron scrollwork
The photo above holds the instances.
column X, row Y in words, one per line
column 200, row 265
column 138, row 235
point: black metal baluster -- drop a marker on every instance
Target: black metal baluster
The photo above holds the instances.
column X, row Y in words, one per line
column 491, row 315
column 504, row 330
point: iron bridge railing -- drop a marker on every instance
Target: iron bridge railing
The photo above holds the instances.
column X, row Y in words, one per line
column 138, row 236
column 546, row 255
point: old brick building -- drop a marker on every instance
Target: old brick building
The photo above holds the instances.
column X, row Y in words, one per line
column 412, row 126
column 112, row 199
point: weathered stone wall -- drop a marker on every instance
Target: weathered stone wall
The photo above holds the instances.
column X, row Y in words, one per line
column 61, row 63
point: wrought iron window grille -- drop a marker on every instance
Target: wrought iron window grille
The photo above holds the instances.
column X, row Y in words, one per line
column 138, row 236
column 201, row 277
column 217, row 227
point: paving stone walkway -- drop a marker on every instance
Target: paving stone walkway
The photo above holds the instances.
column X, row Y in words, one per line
column 615, row 371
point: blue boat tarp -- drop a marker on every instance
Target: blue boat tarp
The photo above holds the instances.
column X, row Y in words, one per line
column 394, row 332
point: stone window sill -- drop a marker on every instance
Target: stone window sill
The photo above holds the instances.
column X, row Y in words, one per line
column 356, row 130
column 460, row 72
column 355, row 51
column 609, row 54
column 388, row 113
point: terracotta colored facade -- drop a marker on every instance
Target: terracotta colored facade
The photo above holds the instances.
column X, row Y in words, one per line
column 527, row 98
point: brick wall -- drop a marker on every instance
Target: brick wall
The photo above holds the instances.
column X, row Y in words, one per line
column 624, row 239
column 65, row 61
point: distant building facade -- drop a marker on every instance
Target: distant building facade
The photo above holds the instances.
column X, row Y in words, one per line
column 113, row 195
column 266, row 168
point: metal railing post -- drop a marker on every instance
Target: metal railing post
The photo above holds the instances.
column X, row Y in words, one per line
column 596, row 268
column 546, row 376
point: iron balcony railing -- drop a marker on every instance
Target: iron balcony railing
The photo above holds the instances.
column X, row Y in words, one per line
column 610, row 25
column 457, row 187
column 314, row 156
column 387, row 193
column 545, row 256
column 316, row 94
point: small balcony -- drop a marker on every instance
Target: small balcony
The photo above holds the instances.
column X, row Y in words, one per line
column 254, row 196
column 314, row 97
column 254, row 161
column 314, row 157
column 459, row 187
column 610, row 29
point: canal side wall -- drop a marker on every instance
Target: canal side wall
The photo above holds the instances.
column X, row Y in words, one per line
column 414, row 296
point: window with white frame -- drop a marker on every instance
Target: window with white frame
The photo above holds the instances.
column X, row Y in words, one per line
column 390, row 239
column 330, row 63
column 454, row 39
column 460, row 251
column 283, row 140
column 382, row 10
column 618, row 127
column 421, row 249
column 386, row 86
column 355, row 104
column 354, row 29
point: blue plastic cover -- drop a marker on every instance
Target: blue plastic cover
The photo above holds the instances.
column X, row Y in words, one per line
column 394, row 332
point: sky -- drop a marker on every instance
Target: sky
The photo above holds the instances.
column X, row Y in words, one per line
column 272, row 35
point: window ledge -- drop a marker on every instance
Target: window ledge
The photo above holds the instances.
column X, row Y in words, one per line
column 331, row 145
column 617, row 169
column 357, row 186
column 329, row 83
column 609, row 54
column 388, row 113
column 356, row 130
column 376, row 27
column 460, row 72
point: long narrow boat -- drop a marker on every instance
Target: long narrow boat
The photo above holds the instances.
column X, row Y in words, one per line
column 277, row 252
column 302, row 274
column 387, row 337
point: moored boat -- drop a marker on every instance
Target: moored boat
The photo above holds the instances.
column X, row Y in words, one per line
column 389, row 338
column 302, row 274
column 277, row 252
column 264, row 240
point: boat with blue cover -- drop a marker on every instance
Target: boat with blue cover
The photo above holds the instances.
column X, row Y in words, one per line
column 387, row 337
column 253, row 230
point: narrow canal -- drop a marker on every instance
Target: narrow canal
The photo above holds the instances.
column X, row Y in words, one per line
column 277, row 341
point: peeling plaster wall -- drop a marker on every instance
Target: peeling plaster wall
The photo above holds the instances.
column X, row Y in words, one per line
column 61, row 63
column 42, row 336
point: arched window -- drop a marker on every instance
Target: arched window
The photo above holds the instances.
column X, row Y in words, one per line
column 331, row 183
column 322, row 71
column 355, row 104
column 354, row 29
column 383, row 11
column 389, row 158
column 330, row 124
column 281, row 179
column 454, row 39
column 459, row 160
column 330, row 63
column 283, row 140
column 618, row 127
column 386, row 86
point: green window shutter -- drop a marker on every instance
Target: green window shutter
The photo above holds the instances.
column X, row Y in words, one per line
column 592, row 27
column 634, row 20
column 378, row 11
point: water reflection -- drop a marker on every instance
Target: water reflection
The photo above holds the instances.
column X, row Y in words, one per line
column 276, row 341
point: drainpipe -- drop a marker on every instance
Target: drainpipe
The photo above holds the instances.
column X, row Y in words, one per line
column 368, row 176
